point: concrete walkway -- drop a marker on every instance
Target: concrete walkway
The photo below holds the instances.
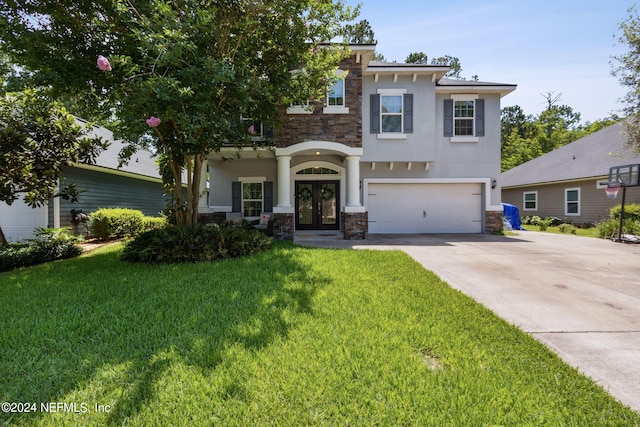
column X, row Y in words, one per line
column 579, row 296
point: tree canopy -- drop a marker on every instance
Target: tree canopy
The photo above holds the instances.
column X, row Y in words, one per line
column 38, row 137
column 627, row 68
column 525, row 137
column 186, row 77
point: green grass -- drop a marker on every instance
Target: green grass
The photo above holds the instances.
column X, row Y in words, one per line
column 584, row 232
column 293, row 336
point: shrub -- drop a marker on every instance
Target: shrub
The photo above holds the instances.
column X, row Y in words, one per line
column 209, row 242
column 609, row 229
column 567, row 228
column 544, row 224
column 51, row 244
column 631, row 212
column 105, row 224
column 152, row 222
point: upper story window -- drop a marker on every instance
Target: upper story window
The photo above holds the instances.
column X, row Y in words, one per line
column 391, row 112
column 336, row 96
column 300, row 107
column 464, row 118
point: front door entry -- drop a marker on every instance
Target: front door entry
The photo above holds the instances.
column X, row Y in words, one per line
column 317, row 205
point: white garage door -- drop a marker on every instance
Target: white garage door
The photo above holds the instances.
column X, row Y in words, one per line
column 19, row 220
column 424, row 208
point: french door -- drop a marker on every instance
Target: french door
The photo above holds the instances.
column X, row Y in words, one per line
column 317, row 205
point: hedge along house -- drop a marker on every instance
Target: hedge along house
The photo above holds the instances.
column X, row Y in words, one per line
column 136, row 185
column 569, row 182
column 394, row 148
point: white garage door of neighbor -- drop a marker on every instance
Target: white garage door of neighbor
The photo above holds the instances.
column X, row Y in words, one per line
column 424, row 208
column 19, row 220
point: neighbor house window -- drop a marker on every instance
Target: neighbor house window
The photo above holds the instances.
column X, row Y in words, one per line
column 464, row 118
column 391, row 113
column 572, row 201
column 530, row 202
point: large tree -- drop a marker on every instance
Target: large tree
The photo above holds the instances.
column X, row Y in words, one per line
column 627, row 68
column 38, row 137
column 186, row 77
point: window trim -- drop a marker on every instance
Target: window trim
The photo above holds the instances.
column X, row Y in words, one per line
column 300, row 108
column 464, row 138
column 578, row 202
column 251, row 180
column 392, row 135
column 524, row 201
column 337, row 109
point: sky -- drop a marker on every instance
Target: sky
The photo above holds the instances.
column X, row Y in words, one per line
column 564, row 47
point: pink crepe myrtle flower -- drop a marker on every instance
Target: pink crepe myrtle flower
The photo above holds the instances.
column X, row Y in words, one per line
column 153, row 121
column 251, row 129
column 103, row 63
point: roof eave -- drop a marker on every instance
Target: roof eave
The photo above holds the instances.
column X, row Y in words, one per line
column 502, row 90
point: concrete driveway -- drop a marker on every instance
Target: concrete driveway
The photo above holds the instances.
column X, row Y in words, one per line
column 579, row 296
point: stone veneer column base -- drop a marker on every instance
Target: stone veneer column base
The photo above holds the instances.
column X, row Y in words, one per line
column 493, row 222
column 354, row 225
column 212, row 218
column 283, row 226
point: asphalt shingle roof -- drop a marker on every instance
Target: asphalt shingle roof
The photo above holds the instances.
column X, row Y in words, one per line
column 588, row 157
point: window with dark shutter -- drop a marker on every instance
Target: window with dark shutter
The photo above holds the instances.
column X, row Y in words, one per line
column 236, row 196
column 479, row 117
column 408, row 113
column 268, row 196
column 375, row 113
column 448, row 118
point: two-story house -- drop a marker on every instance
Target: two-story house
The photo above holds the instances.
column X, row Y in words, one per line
column 394, row 148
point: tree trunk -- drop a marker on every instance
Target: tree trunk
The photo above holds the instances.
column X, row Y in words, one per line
column 3, row 240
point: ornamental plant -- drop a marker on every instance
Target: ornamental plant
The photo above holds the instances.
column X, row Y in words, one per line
column 179, row 76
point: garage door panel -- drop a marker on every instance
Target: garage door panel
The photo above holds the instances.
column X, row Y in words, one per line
column 424, row 208
column 19, row 220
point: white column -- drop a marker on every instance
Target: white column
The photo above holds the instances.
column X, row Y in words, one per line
column 203, row 200
column 353, row 181
column 56, row 207
column 284, row 183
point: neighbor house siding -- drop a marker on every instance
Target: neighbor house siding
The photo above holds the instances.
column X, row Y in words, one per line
column 105, row 190
column 594, row 204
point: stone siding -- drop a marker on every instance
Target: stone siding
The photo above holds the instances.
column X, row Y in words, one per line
column 493, row 222
column 342, row 128
column 283, row 226
column 354, row 225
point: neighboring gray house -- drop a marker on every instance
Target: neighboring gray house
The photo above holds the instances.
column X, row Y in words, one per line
column 393, row 148
column 136, row 185
column 569, row 182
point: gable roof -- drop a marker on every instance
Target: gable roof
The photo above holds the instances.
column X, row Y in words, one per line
column 588, row 157
column 142, row 164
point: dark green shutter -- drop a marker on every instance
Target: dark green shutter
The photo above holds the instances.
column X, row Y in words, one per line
column 268, row 196
column 236, row 196
column 408, row 113
column 448, row 117
column 375, row 113
column 479, row 117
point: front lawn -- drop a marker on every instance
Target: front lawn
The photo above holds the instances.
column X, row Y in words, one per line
column 292, row 336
